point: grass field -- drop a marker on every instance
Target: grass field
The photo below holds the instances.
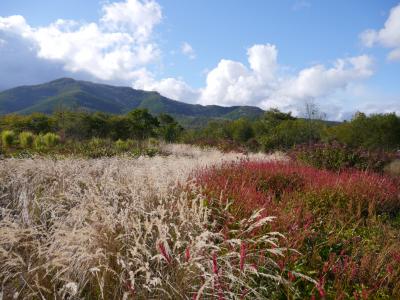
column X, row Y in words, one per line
column 195, row 224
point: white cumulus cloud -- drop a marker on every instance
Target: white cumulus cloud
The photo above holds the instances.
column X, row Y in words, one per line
column 173, row 88
column 388, row 36
column 264, row 83
column 110, row 49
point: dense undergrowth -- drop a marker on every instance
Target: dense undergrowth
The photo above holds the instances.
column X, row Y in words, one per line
column 93, row 148
column 339, row 157
column 346, row 225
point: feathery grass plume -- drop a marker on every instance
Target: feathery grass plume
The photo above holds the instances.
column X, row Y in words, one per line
column 117, row 228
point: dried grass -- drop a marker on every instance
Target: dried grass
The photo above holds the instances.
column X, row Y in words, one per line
column 120, row 228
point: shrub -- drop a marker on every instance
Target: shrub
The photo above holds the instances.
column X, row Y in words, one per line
column 122, row 146
column 26, row 139
column 97, row 148
column 39, row 142
column 337, row 157
column 51, row 139
column 7, row 138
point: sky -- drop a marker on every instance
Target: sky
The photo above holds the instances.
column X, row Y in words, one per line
column 342, row 55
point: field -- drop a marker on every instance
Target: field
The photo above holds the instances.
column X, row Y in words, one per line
column 195, row 224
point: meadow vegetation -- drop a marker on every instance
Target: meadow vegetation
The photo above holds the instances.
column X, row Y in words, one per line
column 344, row 225
column 119, row 228
column 99, row 206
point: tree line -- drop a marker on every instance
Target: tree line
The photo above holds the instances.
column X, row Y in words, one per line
column 274, row 130
column 138, row 124
column 279, row 130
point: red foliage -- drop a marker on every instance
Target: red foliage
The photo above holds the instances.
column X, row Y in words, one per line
column 308, row 203
column 251, row 185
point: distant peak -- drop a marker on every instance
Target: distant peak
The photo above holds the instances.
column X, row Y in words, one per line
column 63, row 80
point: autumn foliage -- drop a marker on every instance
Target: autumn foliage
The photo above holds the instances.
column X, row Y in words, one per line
column 345, row 225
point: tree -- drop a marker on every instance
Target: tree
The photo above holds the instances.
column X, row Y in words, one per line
column 99, row 125
column 377, row 131
column 169, row 129
column 271, row 118
column 242, row 131
column 142, row 124
column 313, row 115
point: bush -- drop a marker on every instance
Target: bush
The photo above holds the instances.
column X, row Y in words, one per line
column 26, row 139
column 97, row 148
column 51, row 139
column 39, row 143
column 7, row 138
column 122, row 146
column 337, row 157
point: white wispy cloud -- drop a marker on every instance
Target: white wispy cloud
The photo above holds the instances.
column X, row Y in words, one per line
column 388, row 36
column 188, row 50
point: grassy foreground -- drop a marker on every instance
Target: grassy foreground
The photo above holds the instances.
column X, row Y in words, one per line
column 195, row 224
column 121, row 228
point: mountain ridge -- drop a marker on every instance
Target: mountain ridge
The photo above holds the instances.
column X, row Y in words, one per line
column 71, row 94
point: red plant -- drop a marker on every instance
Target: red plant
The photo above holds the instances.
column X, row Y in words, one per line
column 308, row 204
column 164, row 252
column 187, row 254
column 242, row 255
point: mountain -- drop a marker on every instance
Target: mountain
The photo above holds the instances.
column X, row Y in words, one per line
column 67, row 93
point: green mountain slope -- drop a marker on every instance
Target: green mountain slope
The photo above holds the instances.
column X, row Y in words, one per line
column 67, row 93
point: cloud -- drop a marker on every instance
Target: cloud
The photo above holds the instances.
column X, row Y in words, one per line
column 111, row 49
column 20, row 64
column 169, row 87
column 132, row 16
column 264, row 83
column 120, row 48
column 388, row 36
column 188, row 50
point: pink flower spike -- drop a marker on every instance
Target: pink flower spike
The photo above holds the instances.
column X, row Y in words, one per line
column 215, row 264
column 242, row 256
column 187, row 254
column 164, row 252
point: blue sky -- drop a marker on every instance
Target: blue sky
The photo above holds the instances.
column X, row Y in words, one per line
column 339, row 54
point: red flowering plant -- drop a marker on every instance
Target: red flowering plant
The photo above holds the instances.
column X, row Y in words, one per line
column 335, row 220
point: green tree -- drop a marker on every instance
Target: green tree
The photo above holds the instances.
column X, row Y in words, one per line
column 271, row 118
column 242, row 130
column 290, row 133
column 169, row 130
column 98, row 125
column 377, row 131
column 141, row 124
